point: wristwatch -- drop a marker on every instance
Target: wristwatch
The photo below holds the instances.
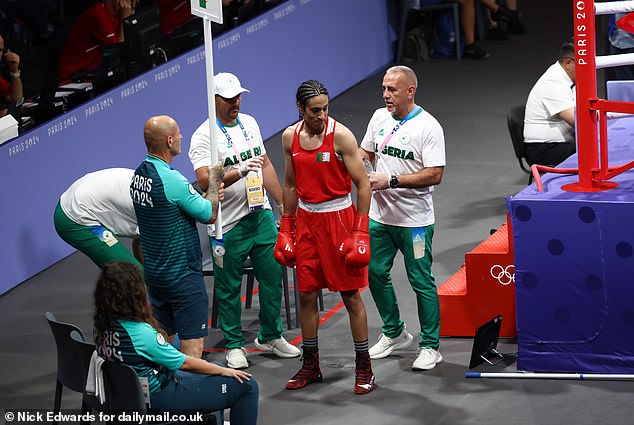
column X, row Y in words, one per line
column 394, row 182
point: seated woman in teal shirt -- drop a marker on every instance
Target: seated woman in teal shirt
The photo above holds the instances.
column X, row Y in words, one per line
column 126, row 332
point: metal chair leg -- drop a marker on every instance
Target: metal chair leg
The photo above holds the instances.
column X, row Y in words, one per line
column 321, row 300
column 287, row 303
column 214, row 310
column 58, row 398
column 250, row 285
column 402, row 25
column 456, row 19
column 296, row 291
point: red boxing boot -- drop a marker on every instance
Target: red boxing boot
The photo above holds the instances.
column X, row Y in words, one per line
column 364, row 377
column 309, row 372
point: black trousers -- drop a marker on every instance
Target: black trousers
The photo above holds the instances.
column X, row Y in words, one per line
column 549, row 153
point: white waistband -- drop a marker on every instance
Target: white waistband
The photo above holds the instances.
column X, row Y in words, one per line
column 328, row 206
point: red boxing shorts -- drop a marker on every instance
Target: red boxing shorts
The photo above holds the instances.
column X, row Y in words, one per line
column 319, row 263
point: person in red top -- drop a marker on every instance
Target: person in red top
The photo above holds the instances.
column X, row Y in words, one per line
column 174, row 13
column 11, row 90
column 97, row 26
column 328, row 239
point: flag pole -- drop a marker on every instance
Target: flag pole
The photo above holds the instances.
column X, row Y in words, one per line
column 218, row 243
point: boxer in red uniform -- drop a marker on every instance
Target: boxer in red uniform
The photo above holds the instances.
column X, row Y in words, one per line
column 328, row 238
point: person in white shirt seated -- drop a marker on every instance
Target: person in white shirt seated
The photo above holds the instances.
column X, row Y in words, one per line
column 549, row 123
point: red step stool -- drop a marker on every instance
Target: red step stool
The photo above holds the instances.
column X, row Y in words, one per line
column 483, row 288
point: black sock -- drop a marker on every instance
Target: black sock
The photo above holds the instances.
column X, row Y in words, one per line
column 360, row 346
column 311, row 344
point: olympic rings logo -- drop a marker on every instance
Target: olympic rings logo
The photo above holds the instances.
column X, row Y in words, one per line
column 505, row 276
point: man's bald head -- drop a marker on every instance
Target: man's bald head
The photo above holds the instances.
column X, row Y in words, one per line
column 408, row 75
column 399, row 89
column 162, row 136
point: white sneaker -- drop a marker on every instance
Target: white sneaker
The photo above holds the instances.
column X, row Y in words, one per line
column 427, row 359
column 280, row 347
column 387, row 345
column 237, row 358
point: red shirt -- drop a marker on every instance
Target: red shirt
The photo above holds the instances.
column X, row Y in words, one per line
column 174, row 13
column 320, row 175
column 5, row 89
column 82, row 50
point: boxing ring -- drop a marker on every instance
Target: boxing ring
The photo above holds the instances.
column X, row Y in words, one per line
column 573, row 233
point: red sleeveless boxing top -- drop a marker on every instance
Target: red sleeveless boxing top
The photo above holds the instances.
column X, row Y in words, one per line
column 320, row 175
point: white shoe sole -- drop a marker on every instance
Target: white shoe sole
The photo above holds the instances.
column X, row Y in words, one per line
column 284, row 355
column 427, row 367
column 240, row 366
column 278, row 353
column 237, row 365
column 393, row 348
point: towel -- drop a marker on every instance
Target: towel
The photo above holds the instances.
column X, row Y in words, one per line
column 94, row 381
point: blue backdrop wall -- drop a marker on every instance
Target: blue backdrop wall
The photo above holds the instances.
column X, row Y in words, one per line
column 337, row 42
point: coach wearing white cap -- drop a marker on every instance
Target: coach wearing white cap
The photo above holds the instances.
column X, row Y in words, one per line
column 248, row 224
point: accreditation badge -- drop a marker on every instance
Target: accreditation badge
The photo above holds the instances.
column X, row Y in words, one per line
column 255, row 191
column 217, row 252
column 418, row 242
column 145, row 387
column 104, row 235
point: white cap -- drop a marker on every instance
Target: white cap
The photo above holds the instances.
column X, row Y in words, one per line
column 227, row 85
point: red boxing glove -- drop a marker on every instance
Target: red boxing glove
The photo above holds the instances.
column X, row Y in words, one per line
column 285, row 246
column 356, row 247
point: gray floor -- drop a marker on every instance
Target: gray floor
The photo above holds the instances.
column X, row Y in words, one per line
column 470, row 99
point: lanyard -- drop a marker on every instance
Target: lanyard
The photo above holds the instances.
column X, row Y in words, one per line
column 230, row 142
column 411, row 114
